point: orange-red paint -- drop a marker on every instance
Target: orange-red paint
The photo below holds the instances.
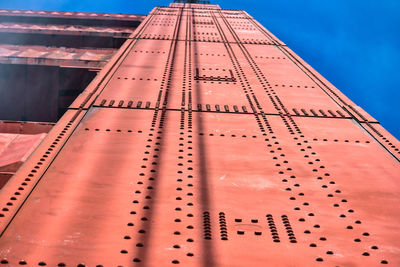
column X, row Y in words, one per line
column 206, row 141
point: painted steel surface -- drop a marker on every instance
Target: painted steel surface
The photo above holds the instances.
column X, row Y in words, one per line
column 55, row 56
column 205, row 141
column 68, row 14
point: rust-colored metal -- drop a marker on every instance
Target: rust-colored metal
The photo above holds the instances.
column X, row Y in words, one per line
column 88, row 16
column 55, row 56
column 205, row 141
column 25, row 127
column 17, row 142
column 14, row 150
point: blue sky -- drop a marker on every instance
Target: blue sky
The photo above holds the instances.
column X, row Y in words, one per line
column 353, row 43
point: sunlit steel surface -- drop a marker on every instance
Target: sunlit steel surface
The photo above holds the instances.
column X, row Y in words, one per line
column 17, row 142
column 206, row 141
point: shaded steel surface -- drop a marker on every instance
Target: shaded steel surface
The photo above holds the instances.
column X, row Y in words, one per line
column 206, row 141
column 88, row 16
column 55, row 56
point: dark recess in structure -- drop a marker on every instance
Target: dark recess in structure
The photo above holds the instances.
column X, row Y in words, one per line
column 71, row 21
column 39, row 93
column 61, row 40
column 42, row 89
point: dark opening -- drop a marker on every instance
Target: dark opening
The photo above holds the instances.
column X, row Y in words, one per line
column 70, row 21
column 39, row 93
column 63, row 40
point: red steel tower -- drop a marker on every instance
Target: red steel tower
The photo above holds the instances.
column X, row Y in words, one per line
column 206, row 141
